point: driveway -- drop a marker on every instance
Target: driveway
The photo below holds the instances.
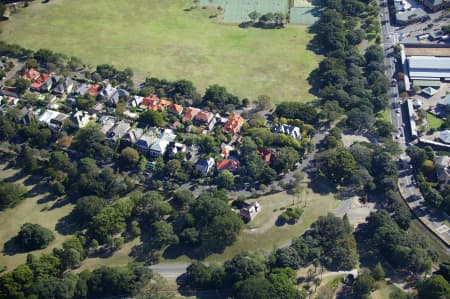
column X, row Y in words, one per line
column 17, row 67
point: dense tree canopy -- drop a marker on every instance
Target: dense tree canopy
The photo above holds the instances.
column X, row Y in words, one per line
column 33, row 236
column 11, row 194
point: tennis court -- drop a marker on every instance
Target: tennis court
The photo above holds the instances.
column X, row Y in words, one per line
column 238, row 10
column 304, row 15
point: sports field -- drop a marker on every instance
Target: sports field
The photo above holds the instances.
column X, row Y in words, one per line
column 163, row 39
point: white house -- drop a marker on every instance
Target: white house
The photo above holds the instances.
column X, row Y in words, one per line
column 159, row 148
column 289, row 130
column 53, row 119
column 135, row 101
column 204, row 165
column 80, row 119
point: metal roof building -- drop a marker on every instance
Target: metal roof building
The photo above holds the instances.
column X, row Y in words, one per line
column 445, row 136
column 412, row 118
column 429, row 67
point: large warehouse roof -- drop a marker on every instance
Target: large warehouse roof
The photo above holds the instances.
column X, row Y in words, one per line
column 427, row 67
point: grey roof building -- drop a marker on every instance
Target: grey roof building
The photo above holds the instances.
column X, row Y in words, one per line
column 429, row 67
column 117, row 132
column 445, row 136
column 64, row 87
column 411, row 16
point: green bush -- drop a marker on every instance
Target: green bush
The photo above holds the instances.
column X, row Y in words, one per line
column 34, row 236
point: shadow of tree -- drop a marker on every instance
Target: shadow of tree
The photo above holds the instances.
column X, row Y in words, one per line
column 102, row 253
column 12, row 248
column 16, row 177
column 61, row 202
column 33, row 180
column 321, row 185
column 67, row 226
column 46, row 199
column 36, row 190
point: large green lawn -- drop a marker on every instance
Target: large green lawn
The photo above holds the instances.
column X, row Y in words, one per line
column 259, row 234
column 32, row 210
column 161, row 39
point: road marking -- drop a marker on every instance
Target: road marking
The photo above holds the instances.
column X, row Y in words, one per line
column 443, row 229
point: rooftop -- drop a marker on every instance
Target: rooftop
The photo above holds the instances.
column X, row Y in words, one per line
column 445, row 136
column 407, row 15
column 429, row 67
column 445, row 101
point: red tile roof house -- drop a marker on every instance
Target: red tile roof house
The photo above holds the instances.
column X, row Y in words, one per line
column 149, row 102
column 190, row 114
column 234, row 124
column 94, row 90
column 31, row 74
column 204, row 118
column 175, row 109
column 161, row 105
column 266, row 154
column 37, row 84
column 230, row 165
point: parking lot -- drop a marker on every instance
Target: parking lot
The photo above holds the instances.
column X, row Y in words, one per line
column 433, row 101
column 433, row 25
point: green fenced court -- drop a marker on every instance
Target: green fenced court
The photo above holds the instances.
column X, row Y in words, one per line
column 303, row 15
column 238, row 10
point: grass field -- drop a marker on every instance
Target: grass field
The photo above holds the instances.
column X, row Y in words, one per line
column 161, row 39
column 29, row 210
column 262, row 233
column 434, row 122
column 383, row 290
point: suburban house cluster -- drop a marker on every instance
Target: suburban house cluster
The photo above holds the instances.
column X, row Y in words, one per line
column 151, row 141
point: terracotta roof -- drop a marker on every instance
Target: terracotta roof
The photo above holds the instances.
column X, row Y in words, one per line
column 225, row 153
column 93, row 90
column 175, row 108
column 40, row 80
column 150, row 101
column 230, row 165
column 204, row 116
column 234, row 124
column 31, row 74
column 165, row 103
column 266, row 154
column 190, row 114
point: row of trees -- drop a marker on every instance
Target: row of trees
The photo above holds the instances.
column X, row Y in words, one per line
column 346, row 81
column 43, row 277
column 436, row 195
column 205, row 222
column 330, row 241
column 249, row 276
column 403, row 250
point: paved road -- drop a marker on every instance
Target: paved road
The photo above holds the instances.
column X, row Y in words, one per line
column 170, row 270
column 411, row 193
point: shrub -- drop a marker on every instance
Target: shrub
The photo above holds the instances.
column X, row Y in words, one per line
column 34, row 236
